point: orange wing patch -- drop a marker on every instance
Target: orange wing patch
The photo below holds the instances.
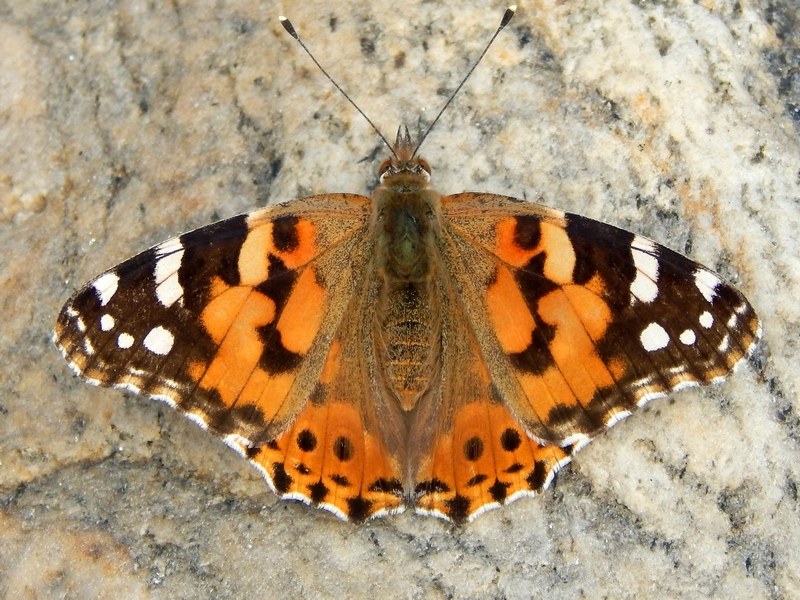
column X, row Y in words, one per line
column 518, row 241
column 484, row 461
column 576, row 318
column 262, row 339
column 331, row 458
column 545, row 321
column 303, row 313
column 327, row 459
column 511, row 318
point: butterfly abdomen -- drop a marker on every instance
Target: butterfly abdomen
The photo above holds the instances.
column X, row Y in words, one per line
column 409, row 330
column 407, row 314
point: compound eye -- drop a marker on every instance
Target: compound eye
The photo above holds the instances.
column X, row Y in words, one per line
column 425, row 165
column 385, row 165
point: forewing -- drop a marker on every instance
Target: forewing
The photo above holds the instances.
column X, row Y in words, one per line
column 230, row 323
column 581, row 322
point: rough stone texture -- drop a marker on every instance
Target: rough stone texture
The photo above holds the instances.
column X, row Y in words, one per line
column 123, row 123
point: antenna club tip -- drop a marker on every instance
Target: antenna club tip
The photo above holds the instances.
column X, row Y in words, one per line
column 287, row 25
column 507, row 15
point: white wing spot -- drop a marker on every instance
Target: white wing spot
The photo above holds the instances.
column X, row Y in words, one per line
column 688, row 337
column 125, row 340
column 106, row 287
column 107, row 322
column 725, row 344
column 654, row 337
column 644, row 286
column 159, row 341
column 168, row 247
column 706, row 319
column 168, row 287
column 88, row 348
column 707, row 283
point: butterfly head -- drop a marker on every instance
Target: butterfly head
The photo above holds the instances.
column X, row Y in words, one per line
column 403, row 167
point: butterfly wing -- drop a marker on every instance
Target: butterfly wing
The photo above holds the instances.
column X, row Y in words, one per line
column 578, row 323
column 468, row 452
column 346, row 450
column 233, row 324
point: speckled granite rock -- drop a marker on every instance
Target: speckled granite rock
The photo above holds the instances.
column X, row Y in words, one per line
column 123, row 124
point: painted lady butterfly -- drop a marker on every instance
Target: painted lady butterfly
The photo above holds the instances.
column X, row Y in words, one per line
column 445, row 352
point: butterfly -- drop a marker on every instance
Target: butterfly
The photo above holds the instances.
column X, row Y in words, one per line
column 370, row 353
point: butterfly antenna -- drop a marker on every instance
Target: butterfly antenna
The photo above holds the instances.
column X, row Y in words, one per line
column 287, row 25
column 503, row 22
